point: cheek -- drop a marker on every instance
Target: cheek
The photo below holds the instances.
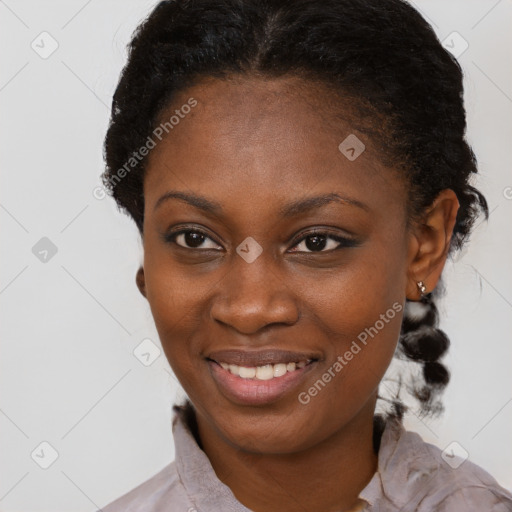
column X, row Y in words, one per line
column 361, row 316
column 353, row 297
column 360, row 325
column 360, row 307
column 175, row 300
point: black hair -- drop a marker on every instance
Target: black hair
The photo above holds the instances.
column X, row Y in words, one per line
column 407, row 93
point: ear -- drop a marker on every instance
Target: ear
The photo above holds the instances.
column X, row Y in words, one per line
column 141, row 281
column 430, row 243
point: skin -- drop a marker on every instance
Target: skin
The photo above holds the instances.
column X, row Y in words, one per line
column 254, row 145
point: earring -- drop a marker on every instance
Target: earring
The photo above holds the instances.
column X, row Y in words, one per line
column 422, row 288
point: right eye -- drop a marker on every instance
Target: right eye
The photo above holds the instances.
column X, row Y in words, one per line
column 190, row 239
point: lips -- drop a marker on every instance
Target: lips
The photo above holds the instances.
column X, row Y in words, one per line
column 261, row 357
column 259, row 377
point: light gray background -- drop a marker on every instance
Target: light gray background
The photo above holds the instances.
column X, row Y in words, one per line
column 69, row 325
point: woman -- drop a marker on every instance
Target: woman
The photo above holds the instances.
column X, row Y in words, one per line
column 299, row 174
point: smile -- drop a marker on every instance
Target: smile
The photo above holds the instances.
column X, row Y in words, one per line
column 260, row 377
column 265, row 372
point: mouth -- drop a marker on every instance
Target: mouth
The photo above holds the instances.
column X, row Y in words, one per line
column 264, row 372
column 259, row 378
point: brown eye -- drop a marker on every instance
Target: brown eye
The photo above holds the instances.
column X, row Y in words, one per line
column 320, row 241
column 191, row 239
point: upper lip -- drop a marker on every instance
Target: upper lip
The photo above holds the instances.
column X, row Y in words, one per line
column 260, row 357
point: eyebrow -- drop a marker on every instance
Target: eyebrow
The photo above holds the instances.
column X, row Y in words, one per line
column 291, row 209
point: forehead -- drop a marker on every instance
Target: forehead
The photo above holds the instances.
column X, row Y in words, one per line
column 261, row 138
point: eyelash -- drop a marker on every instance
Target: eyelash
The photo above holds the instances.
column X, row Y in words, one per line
column 344, row 242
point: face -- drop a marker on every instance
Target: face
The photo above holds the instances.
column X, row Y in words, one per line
column 243, row 269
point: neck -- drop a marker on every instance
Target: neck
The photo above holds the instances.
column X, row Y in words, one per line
column 326, row 477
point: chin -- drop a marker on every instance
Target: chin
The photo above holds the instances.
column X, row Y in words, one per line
column 274, row 431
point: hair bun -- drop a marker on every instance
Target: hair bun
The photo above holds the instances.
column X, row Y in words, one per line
column 435, row 374
column 425, row 344
column 417, row 314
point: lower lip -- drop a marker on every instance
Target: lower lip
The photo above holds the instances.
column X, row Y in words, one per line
column 253, row 391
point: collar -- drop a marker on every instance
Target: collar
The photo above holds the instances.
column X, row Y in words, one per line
column 196, row 473
column 403, row 463
column 405, row 468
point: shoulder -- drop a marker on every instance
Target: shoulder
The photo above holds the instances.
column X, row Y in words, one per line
column 476, row 497
column 464, row 487
column 419, row 476
column 152, row 495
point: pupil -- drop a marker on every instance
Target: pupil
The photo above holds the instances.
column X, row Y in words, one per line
column 194, row 239
column 318, row 244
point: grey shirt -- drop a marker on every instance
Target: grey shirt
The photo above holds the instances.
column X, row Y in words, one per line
column 411, row 476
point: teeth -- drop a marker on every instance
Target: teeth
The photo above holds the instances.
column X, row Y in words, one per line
column 266, row 372
column 247, row 373
column 279, row 370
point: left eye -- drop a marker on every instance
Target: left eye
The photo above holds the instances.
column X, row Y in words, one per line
column 323, row 242
column 190, row 239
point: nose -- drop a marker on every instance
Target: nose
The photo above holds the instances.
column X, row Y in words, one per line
column 253, row 296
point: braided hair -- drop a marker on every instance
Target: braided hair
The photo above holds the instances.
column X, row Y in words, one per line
column 406, row 95
column 424, row 344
